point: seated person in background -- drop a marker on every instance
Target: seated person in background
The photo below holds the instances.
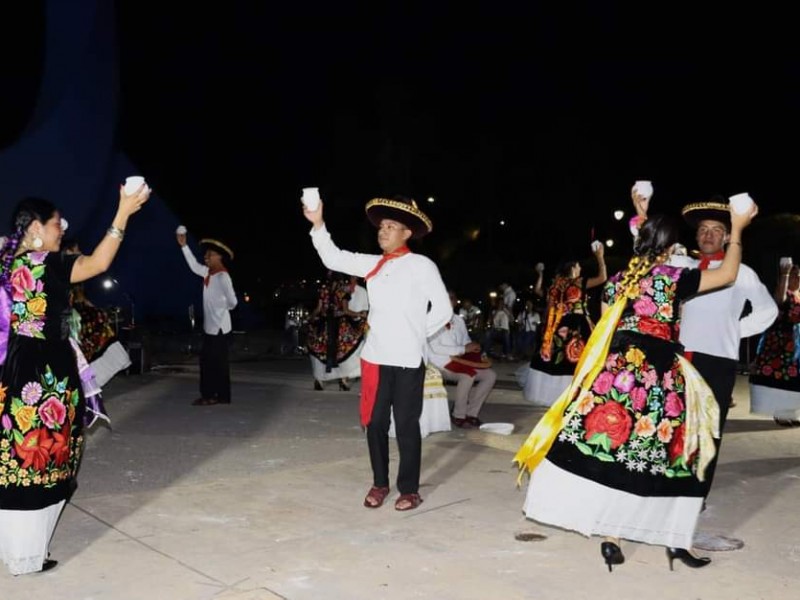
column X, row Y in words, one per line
column 460, row 361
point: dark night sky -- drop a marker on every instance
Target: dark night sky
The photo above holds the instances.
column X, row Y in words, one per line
column 502, row 112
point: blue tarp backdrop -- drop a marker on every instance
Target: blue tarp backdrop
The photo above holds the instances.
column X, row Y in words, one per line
column 68, row 153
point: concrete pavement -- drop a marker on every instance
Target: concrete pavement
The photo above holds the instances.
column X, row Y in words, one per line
column 262, row 499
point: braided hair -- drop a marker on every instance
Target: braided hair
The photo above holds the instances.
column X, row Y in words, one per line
column 27, row 211
column 652, row 246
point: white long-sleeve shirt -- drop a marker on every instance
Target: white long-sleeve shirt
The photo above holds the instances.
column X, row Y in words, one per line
column 710, row 322
column 359, row 301
column 399, row 293
column 448, row 342
column 219, row 297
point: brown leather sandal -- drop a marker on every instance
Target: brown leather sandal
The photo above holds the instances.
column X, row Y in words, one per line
column 376, row 496
column 407, row 501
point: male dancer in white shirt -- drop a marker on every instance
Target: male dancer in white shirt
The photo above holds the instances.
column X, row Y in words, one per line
column 459, row 360
column 219, row 298
column 408, row 303
column 712, row 325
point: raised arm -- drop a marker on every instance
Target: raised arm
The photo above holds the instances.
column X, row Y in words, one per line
column 641, row 204
column 537, row 288
column 725, row 274
column 602, row 275
column 783, row 283
column 196, row 267
column 334, row 258
column 89, row 265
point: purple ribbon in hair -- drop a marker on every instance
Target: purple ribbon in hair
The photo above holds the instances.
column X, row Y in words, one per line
column 5, row 322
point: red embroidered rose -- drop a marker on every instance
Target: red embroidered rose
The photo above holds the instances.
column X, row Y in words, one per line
column 613, row 420
column 675, row 449
column 654, row 328
column 574, row 349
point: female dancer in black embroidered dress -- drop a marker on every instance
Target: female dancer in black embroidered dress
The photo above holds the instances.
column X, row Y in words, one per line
column 623, row 452
column 43, row 406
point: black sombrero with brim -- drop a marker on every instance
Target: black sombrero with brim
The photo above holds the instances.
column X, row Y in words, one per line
column 217, row 246
column 403, row 212
column 702, row 211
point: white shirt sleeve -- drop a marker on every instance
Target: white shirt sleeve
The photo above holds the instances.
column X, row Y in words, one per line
column 341, row 261
column 765, row 310
column 196, row 267
column 441, row 310
column 228, row 291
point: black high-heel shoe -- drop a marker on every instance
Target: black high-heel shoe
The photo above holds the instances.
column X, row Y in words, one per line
column 48, row 564
column 687, row 558
column 343, row 387
column 612, row 554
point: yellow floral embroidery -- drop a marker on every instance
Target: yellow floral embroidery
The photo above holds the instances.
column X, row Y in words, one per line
column 37, row 306
column 25, row 416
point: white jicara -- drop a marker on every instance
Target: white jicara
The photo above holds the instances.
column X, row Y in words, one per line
column 740, row 203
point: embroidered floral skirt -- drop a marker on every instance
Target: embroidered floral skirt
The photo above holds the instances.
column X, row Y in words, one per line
column 333, row 340
column 616, row 468
column 775, row 373
column 41, row 423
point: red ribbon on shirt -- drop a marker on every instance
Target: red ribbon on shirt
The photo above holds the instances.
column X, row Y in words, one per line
column 707, row 258
column 207, row 278
column 386, row 257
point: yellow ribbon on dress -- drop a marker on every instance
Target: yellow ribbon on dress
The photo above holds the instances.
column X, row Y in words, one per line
column 535, row 448
column 702, row 418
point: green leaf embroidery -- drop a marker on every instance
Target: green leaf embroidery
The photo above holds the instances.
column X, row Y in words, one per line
column 602, row 440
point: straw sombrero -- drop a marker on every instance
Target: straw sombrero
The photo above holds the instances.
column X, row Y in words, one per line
column 217, row 246
column 403, row 211
column 702, row 211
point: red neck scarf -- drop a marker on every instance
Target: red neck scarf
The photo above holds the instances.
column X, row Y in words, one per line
column 207, row 278
column 707, row 258
column 386, row 257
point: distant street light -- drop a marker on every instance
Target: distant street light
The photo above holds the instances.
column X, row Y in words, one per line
column 609, row 242
column 618, row 214
column 502, row 222
column 110, row 283
column 430, row 199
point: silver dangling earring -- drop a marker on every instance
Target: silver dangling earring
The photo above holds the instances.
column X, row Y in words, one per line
column 37, row 242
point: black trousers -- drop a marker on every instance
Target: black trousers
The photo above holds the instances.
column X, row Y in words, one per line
column 720, row 374
column 399, row 389
column 215, row 373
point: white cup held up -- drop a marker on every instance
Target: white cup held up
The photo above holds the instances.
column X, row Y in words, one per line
column 310, row 198
column 740, row 203
column 133, row 183
column 644, row 188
